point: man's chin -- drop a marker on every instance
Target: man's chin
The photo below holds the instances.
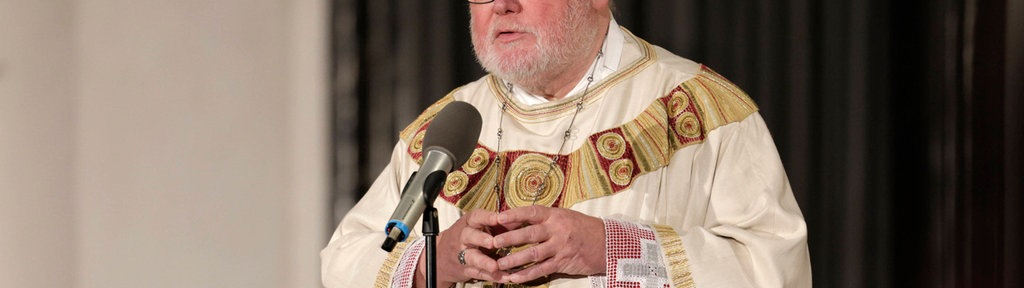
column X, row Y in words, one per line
column 515, row 71
column 511, row 68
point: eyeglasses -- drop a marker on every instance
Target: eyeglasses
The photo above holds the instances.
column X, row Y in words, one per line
column 479, row 1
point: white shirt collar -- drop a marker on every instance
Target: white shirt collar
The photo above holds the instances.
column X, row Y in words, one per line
column 606, row 66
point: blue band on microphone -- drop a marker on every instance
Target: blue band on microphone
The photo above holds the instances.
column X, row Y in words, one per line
column 397, row 224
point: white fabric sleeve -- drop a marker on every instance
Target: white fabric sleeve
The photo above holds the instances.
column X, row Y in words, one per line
column 753, row 233
column 353, row 257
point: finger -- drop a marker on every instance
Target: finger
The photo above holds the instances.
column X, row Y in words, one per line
column 529, row 214
column 534, row 272
column 481, row 219
column 472, row 237
column 474, row 273
column 527, row 235
column 482, row 267
column 477, row 259
column 533, row 254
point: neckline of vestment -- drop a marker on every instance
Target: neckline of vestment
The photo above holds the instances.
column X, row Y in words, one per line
column 565, row 107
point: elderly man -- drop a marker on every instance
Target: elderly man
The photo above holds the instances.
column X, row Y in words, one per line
column 604, row 161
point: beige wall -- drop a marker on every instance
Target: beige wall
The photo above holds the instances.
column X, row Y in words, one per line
column 37, row 140
column 163, row 143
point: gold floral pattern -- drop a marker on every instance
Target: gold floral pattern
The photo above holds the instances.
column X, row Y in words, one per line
column 611, row 145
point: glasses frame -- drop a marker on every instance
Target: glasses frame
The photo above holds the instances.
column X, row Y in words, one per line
column 479, row 1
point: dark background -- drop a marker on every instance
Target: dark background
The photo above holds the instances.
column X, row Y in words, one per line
column 899, row 122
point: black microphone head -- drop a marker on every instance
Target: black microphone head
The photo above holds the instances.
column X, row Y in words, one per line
column 455, row 129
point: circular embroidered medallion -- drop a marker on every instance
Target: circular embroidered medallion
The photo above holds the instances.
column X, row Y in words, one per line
column 526, row 177
column 687, row 125
column 621, row 172
column 678, row 103
column 417, row 142
column 477, row 162
column 456, row 183
column 611, row 145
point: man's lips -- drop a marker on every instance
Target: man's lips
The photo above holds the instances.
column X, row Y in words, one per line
column 508, row 36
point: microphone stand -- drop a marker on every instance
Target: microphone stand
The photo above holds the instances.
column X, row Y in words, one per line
column 432, row 186
column 430, row 233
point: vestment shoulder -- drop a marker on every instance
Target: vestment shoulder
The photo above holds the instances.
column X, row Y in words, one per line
column 424, row 119
column 717, row 100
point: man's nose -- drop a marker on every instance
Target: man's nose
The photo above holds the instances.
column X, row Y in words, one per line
column 504, row 7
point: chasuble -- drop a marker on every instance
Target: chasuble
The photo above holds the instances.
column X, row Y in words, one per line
column 674, row 158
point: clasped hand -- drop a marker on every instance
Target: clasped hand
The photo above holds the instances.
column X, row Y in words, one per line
column 552, row 240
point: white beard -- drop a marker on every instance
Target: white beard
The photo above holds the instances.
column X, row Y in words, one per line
column 553, row 53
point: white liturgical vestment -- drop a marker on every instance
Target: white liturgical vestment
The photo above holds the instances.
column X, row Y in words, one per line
column 674, row 157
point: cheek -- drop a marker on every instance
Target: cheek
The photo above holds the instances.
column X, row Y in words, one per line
column 478, row 23
column 479, row 34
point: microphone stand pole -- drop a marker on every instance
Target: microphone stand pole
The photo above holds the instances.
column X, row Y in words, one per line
column 430, row 231
column 431, row 187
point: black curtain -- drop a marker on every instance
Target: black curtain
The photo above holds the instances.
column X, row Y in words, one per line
column 898, row 121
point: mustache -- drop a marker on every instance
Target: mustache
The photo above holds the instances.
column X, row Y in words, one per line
column 498, row 27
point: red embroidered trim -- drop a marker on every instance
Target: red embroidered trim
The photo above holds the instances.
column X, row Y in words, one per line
column 634, row 257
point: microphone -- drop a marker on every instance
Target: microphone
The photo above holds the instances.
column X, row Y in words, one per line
column 449, row 141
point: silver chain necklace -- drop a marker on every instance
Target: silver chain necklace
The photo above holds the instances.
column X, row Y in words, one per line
column 565, row 137
column 554, row 162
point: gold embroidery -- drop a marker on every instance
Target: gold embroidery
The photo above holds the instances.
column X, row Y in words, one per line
column 688, row 126
column 681, row 118
column 529, row 172
column 719, row 101
column 426, row 116
column 675, row 254
column 477, row 162
column 387, row 270
column 649, row 136
column 417, row 142
column 456, row 183
column 621, row 172
column 611, row 145
column 678, row 103
column 586, row 179
column 482, row 194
